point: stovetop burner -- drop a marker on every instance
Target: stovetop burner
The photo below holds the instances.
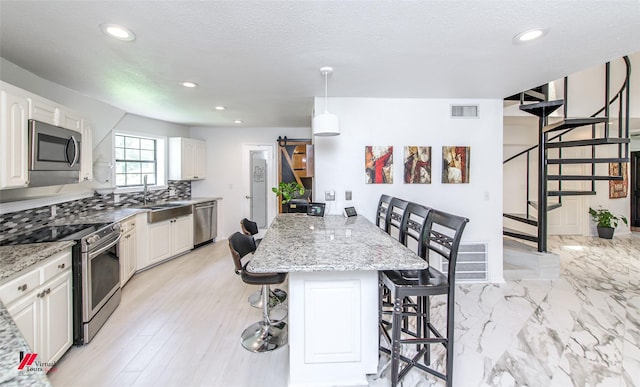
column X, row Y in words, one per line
column 53, row 234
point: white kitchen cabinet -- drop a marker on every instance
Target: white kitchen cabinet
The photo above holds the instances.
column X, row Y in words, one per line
column 40, row 302
column 86, row 152
column 187, row 159
column 127, row 250
column 43, row 110
column 14, row 140
column 70, row 120
column 169, row 238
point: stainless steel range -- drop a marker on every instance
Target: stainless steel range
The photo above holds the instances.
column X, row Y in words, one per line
column 96, row 271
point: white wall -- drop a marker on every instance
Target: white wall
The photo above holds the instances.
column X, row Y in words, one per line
column 224, row 168
column 339, row 161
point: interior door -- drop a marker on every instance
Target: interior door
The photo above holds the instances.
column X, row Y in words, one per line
column 259, row 174
column 635, row 189
column 258, row 188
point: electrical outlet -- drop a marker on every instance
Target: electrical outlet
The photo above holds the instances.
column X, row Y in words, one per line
column 116, row 198
column 347, row 195
column 172, row 192
column 54, row 211
column 329, row 196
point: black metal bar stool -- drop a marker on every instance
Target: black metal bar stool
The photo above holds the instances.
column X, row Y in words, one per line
column 276, row 296
column 395, row 213
column 441, row 236
column 266, row 335
column 381, row 212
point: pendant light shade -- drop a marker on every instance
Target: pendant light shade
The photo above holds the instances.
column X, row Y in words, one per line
column 325, row 123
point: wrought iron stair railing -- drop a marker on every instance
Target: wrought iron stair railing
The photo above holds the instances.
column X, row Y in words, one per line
column 549, row 138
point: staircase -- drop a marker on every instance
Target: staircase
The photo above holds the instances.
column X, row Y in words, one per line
column 548, row 153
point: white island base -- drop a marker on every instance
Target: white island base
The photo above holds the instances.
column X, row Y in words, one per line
column 333, row 327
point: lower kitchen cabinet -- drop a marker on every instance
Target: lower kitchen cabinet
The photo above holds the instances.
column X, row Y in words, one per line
column 127, row 249
column 169, row 238
column 40, row 302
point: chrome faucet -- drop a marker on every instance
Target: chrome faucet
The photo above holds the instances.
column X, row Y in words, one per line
column 144, row 194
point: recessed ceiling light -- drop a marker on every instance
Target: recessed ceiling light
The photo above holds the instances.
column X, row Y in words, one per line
column 529, row 35
column 118, row 32
column 220, row 108
column 237, row 121
column 188, row 84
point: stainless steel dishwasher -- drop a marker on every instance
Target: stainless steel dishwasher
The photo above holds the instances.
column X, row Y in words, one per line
column 205, row 222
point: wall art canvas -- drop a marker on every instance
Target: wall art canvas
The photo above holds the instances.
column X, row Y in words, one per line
column 417, row 164
column 618, row 188
column 378, row 164
column 455, row 164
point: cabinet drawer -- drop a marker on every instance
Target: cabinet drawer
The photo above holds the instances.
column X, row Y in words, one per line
column 56, row 265
column 128, row 225
column 19, row 286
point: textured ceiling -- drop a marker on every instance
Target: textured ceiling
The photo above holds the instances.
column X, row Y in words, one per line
column 261, row 59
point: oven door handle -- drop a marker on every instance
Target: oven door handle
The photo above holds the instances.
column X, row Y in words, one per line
column 105, row 248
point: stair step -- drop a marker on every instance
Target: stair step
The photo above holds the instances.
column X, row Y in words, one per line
column 550, row 206
column 542, row 109
column 583, row 177
column 588, row 161
column 519, row 234
column 570, row 193
column 569, row 123
column 522, row 218
column 534, row 94
column 592, row 141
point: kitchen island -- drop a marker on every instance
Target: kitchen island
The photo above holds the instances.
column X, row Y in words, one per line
column 333, row 265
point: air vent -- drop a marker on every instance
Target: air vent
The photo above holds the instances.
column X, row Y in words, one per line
column 472, row 262
column 464, row 111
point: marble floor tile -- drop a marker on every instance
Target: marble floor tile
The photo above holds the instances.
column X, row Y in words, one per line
column 582, row 329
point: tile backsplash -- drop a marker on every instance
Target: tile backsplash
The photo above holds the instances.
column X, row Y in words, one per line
column 21, row 221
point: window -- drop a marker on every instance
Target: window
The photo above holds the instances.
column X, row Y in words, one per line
column 136, row 157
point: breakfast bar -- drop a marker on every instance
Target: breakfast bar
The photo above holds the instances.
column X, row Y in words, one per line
column 333, row 265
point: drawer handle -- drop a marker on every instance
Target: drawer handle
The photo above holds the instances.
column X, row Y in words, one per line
column 22, row 287
column 61, row 266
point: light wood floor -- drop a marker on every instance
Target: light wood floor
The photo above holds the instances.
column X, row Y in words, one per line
column 178, row 324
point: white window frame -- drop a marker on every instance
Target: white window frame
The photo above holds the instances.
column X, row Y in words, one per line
column 161, row 161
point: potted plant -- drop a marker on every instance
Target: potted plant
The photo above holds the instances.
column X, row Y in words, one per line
column 606, row 222
column 286, row 191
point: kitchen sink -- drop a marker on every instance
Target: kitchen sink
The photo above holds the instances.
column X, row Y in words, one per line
column 164, row 211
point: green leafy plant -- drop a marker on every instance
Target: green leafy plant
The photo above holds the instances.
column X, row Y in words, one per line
column 286, row 191
column 604, row 218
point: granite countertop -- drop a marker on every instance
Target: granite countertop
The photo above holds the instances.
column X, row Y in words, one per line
column 12, row 343
column 297, row 242
column 15, row 258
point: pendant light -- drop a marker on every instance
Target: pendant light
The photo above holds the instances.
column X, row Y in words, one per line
column 325, row 123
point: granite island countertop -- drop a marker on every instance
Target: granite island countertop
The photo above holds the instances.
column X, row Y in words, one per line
column 297, row 242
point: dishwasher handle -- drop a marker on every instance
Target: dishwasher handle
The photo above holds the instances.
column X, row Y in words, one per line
column 203, row 207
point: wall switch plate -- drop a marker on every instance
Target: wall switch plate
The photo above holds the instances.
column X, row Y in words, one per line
column 54, row 210
column 172, row 192
column 329, row 196
column 347, row 195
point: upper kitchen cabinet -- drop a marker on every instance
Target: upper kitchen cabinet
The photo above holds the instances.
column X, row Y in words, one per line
column 41, row 109
column 86, row 152
column 187, row 158
column 14, row 110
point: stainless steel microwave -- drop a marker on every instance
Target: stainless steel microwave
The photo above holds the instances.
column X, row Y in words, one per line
column 54, row 155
